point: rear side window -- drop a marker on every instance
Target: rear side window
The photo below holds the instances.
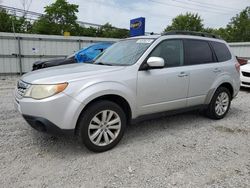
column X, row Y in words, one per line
column 221, row 51
column 197, row 52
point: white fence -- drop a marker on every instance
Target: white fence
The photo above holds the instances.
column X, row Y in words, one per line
column 18, row 52
column 241, row 49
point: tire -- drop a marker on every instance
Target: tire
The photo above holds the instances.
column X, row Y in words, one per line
column 98, row 135
column 220, row 104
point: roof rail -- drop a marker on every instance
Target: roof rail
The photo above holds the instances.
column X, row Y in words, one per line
column 201, row 34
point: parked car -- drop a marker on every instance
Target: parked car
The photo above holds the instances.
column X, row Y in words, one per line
column 132, row 80
column 245, row 75
column 84, row 55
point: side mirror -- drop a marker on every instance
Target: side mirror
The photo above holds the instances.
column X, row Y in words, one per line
column 155, row 62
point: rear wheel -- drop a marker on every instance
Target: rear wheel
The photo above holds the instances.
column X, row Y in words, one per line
column 102, row 126
column 219, row 104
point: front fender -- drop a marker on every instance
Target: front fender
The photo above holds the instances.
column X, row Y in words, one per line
column 95, row 90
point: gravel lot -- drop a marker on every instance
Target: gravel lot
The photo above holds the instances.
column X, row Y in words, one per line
column 186, row 150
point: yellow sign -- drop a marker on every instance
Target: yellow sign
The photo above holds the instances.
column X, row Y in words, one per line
column 66, row 33
column 136, row 24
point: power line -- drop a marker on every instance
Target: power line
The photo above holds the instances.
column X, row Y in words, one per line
column 185, row 7
column 35, row 16
column 130, row 8
column 218, row 8
column 216, row 5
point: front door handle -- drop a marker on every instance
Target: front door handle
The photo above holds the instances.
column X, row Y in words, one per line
column 217, row 70
column 183, row 74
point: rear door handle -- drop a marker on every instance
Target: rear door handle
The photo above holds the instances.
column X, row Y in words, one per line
column 183, row 74
column 217, row 70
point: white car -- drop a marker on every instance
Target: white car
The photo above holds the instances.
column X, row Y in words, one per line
column 245, row 75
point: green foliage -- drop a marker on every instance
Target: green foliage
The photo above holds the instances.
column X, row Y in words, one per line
column 88, row 32
column 109, row 31
column 106, row 30
column 7, row 21
column 239, row 27
column 59, row 17
column 187, row 22
column 43, row 26
column 221, row 32
column 238, row 30
column 22, row 25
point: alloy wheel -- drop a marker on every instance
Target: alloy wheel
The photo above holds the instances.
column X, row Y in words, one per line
column 104, row 127
column 221, row 103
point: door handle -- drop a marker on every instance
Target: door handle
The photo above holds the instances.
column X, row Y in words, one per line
column 183, row 74
column 217, row 70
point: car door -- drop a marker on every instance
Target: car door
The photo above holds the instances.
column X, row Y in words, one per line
column 166, row 88
column 203, row 68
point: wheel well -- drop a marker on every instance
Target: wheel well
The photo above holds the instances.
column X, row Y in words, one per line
column 229, row 87
column 114, row 98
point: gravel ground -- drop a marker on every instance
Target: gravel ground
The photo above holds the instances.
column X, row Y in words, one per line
column 186, row 150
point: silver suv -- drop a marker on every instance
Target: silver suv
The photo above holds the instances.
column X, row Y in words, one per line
column 134, row 78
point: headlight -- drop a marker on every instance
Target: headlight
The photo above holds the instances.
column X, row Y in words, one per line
column 44, row 91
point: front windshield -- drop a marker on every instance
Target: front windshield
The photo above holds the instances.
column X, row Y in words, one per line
column 125, row 52
column 73, row 55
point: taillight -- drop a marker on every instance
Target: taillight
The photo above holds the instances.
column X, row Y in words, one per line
column 241, row 61
column 237, row 66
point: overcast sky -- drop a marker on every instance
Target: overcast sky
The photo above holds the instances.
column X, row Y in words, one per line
column 158, row 13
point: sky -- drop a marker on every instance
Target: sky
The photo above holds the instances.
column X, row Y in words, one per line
column 158, row 13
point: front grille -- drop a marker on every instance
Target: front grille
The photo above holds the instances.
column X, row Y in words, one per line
column 246, row 83
column 21, row 88
column 247, row 74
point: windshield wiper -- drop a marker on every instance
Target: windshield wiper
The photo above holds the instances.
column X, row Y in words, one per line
column 101, row 63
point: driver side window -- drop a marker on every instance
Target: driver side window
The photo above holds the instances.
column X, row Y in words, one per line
column 171, row 51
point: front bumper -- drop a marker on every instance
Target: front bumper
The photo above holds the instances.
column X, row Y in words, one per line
column 44, row 125
column 245, row 81
column 58, row 113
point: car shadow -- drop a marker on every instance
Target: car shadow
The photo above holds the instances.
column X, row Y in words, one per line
column 144, row 130
column 245, row 89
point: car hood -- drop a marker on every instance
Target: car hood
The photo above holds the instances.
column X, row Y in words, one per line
column 67, row 73
column 52, row 60
column 245, row 67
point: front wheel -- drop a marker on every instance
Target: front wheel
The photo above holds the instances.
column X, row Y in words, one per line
column 102, row 126
column 219, row 104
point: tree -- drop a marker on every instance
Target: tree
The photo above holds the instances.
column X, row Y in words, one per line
column 239, row 27
column 9, row 23
column 221, row 32
column 107, row 30
column 43, row 26
column 59, row 17
column 187, row 22
column 5, row 21
column 89, row 32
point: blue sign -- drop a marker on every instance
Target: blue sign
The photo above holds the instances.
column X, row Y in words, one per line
column 137, row 27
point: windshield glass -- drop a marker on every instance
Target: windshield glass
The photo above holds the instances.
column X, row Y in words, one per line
column 73, row 55
column 125, row 52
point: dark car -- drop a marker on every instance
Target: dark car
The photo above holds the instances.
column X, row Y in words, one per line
column 86, row 54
